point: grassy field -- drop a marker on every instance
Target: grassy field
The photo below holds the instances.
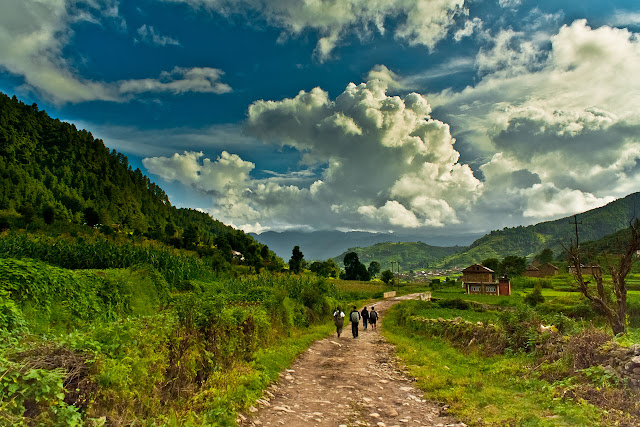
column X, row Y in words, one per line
column 481, row 391
column 511, row 387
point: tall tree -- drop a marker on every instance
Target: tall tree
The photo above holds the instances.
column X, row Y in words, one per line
column 351, row 262
column 374, row 268
column 354, row 269
column 613, row 306
column 545, row 256
column 295, row 263
column 513, row 265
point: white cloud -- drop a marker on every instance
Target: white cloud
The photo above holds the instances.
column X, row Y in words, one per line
column 470, row 26
column 512, row 4
column 148, row 34
column 624, row 18
column 178, row 81
column 33, row 35
column 560, row 125
column 382, row 162
column 419, row 22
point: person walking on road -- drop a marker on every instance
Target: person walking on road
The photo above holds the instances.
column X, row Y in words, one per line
column 373, row 318
column 354, row 316
column 338, row 320
column 365, row 317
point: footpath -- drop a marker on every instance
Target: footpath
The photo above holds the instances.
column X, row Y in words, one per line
column 344, row 382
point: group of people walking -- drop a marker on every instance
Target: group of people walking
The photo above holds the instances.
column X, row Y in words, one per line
column 367, row 317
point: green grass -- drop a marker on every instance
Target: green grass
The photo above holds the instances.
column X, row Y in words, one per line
column 483, row 391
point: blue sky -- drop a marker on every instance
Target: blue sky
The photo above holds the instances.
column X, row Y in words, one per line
column 431, row 116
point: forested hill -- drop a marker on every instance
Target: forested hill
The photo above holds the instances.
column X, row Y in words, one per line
column 53, row 173
column 530, row 240
column 409, row 255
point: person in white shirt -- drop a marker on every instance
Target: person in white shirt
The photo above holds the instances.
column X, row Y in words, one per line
column 338, row 320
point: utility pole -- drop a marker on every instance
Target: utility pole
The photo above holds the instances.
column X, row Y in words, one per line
column 392, row 269
column 575, row 222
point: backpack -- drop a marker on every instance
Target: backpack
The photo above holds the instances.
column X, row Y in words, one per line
column 338, row 320
column 355, row 317
column 373, row 315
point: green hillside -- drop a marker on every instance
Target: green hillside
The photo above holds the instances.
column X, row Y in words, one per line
column 54, row 176
column 530, row 240
column 410, row 255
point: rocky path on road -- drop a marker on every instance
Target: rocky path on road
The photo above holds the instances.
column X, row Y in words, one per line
column 347, row 382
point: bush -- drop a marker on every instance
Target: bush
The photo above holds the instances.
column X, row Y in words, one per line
column 534, row 297
column 521, row 328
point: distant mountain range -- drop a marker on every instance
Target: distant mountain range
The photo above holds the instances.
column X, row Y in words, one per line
column 531, row 240
column 409, row 255
column 521, row 241
column 322, row 245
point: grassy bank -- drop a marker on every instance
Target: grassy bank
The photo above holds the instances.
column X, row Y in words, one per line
column 479, row 390
column 123, row 346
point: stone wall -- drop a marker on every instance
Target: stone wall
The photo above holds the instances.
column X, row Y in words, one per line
column 625, row 363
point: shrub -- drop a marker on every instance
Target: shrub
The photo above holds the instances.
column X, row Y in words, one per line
column 534, row 297
column 584, row 347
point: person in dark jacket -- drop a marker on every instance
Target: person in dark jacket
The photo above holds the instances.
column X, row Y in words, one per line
column 354, row 316
column 373, row 318
column 365, row 318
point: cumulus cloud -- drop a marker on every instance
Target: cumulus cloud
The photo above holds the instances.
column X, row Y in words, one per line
column 148, row 34
column 418, row 22
column 369, row 161
column 33, row 35
column 560, row 124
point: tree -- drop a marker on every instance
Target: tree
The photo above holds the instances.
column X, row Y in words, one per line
column 351, row 262
column 545, row 256
column 91, row 216
column 354, row 269
column 613, row 305
column 28, row 213
column 374, row 268
column 513, row 265
column 492, row 263
column 535, row 297
column 295, row 263
column 327, row 268
column 386, row 276
column 49, row 214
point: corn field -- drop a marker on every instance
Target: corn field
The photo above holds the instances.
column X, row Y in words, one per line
column 102, row 253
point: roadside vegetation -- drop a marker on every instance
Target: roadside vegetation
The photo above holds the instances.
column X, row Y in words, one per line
column 120, row 333
column 510, row 360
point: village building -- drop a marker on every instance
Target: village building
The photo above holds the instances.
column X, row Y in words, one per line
column 531, row 271
column 478, row 279
column 547, row 270
column 542, row 270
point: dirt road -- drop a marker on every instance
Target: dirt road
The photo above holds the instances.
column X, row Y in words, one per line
column 347, row 382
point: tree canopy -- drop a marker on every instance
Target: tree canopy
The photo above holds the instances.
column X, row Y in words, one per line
column 295, row 263
column 354, row 269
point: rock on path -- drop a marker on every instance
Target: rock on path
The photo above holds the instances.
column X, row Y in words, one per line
column 346, row 382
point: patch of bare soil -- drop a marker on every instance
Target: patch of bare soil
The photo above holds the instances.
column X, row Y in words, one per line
column 347, row 382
